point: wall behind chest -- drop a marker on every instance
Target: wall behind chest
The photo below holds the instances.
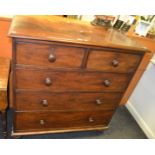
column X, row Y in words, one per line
column 141, row 103
column 5, row 41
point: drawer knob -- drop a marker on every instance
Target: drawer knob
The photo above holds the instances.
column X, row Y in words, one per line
column 48, row 81
column 98, row 102
column 52, row 58
column 91, row 119
column 115, row 63
column 44, row 103
column 107, row 83
column 42, row 122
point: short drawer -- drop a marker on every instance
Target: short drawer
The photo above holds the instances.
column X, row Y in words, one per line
column 70, row 81
column 66, row 101
column 49, row 56
column 113, row 61
column 31, row 121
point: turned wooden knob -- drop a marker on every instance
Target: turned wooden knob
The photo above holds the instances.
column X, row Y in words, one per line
column 107, row 83
column 44, row 103
column 115, row 63
column 42, row 122
column 98, row 102
column 91, row 119
column 52, row 58
column 48, row 81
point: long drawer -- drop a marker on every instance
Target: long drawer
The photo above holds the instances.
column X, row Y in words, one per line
column 50, row 56
column 70, row 81
column 33, row 121
column 29, row 101
column 113, row 61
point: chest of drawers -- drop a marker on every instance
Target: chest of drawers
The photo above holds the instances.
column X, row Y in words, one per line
column 68, row 75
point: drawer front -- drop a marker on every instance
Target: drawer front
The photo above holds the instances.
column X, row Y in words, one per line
column 70, row 81
column 66, row 101
column 59, row 120
column 113, row 61
column 49, row 56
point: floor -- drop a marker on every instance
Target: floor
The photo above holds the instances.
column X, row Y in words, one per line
column 122, row 126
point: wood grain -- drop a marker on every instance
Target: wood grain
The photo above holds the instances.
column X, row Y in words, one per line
column 4, row 72
column 59, row 120
column 30, row 101
column 4, row 76
column 76, row 129
column 70, row 81
column 38, row 55
column 103, row 60
column 54, row 28
column 3, row 100
column 144, row 41
column 90, row 69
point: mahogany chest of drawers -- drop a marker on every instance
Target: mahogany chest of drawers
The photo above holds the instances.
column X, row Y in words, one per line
column 68, row 75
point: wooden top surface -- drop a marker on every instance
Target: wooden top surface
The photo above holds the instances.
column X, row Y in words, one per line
column 4, row 73
column 148, row 42
column 54, row 28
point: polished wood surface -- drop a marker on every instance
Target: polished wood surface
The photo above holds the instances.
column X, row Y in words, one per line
column 49, row 56
column 62, row 83
column 147, row 42
column 70, row 80
column 54, row 28
column 30, row 101
column 4, row 77
column 57, row 120
column 113, row 61
column 86, row 128
column 4, row 72
column 3, row 100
